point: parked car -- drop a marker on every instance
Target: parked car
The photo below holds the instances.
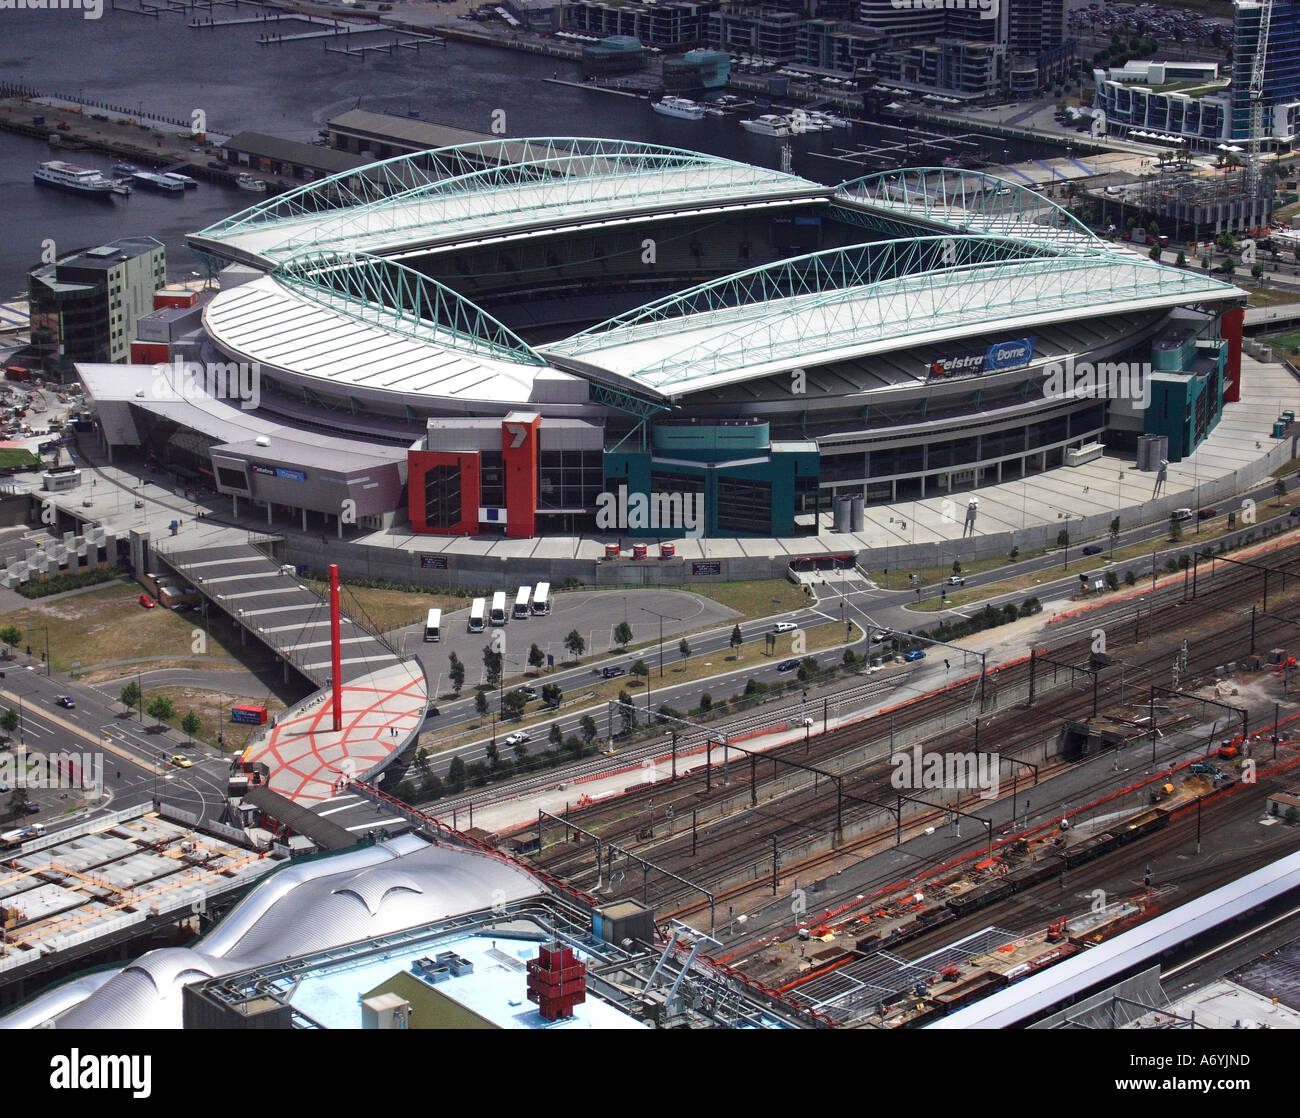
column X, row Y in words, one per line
column 611, row 673
column 915, row 654
column 147, row 601
column 517, row 738
column 29, row 807
column 1093, row 549
column 787, row 665
column 784, row 627
column 65, row 701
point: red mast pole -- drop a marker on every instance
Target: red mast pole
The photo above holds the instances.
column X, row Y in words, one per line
column 335, row 653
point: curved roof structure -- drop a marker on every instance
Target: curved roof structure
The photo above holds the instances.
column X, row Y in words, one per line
column 494, row 190
column 365, row 324
column 849, row 302
column 968, row 202
column 364, row 893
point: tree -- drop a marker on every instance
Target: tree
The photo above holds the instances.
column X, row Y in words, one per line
column 129, row 696
column 956, row 566
column 737, row 639
column 456, row 775
column 1279, row 488
column 9, row 720
column 405, row 791
column 551, row 695
column 808, row 667
column 521, row 752
column 1130, row 579
column 850, row 658
column 11, row 635
column 481, row 704
column 588, row 728
column 1175, row 527
column 536, row 658
column 1063, row 538
column 432, row 788
column 628, row 721
column 623, row 634
column 1113, row 531
column 706, row 702
column 457, row 673
column 1257, row 270
column 1182, row 259
column 684, row 647
column 556, row 736
column 1112, row 580
column 640, row 669
column 574, row 644
column 493, row 662
column 512, row 704
column 1155, row 253
column 161, row 709
column 423, row 769
column 190, row 724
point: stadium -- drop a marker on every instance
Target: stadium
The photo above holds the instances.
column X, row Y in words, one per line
column 485, row 339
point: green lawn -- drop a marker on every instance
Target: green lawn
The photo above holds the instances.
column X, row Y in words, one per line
column 15, row 458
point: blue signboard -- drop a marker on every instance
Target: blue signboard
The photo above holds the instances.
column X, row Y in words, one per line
column 1009, row 355
column 290, row 475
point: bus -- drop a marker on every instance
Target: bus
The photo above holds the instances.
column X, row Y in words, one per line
column 476, row 612
column 522, row 601
column 433, row 625
column 498, row 614
column 542, row 599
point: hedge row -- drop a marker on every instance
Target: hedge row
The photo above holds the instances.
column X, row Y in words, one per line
column 44, row 587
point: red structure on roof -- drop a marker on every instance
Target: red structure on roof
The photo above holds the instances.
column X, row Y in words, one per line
column 557, row 981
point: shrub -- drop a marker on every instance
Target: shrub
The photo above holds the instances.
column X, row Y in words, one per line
column 73, row 580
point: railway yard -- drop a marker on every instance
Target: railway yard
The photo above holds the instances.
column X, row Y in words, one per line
column 885, row 871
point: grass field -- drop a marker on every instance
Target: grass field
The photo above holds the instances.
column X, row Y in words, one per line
column 213, row 709
column 102, row 626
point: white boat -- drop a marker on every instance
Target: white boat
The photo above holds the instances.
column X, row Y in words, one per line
column 247, row 182
column 679, row 107
column 186, row 182
column 68, row 176
column 767, row 125
column 160, row 183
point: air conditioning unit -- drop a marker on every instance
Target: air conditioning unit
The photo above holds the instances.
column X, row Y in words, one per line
column 262, row 440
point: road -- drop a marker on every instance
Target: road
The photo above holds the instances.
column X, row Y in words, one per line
column 134, row 757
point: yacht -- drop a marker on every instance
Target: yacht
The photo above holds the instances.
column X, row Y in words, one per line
column 767, row 125
column 679, row 107
column 68, row 176
column 247, row 182
column 160, row 183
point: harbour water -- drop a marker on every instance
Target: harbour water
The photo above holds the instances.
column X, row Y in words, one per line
column 291, row 89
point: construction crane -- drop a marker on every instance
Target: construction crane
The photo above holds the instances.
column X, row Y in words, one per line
column 1257, row 95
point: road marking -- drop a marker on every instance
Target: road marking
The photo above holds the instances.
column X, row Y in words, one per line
column 94, row 739
column 377, row 823
column 336, row 810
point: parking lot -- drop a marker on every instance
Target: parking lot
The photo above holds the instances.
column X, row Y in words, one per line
column 593, row 613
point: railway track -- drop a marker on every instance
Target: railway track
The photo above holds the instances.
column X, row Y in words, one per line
column 736, row 842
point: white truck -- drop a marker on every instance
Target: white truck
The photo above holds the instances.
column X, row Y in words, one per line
column 22, row 834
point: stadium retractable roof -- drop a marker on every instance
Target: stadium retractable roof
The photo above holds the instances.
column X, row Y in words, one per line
column 848, row 302
column 964, row 202
column 363, row 322
column 491, row 191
